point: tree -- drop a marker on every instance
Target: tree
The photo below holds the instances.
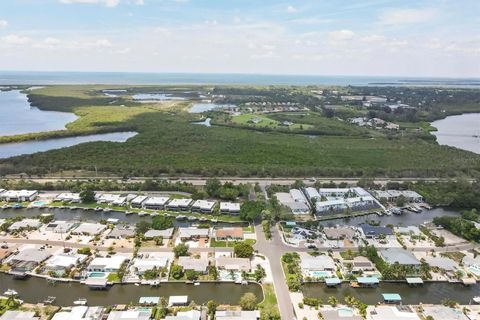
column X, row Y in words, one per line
column 162, row 223
column 181, row 250
column 211, row 308
column 401, row 201
column 212, row 186
column 191, row 275
column 213, row 272
column 248, row 301
column 176, row 272
column 259, row 273
column 251, row 210
column 269, row 313
column 333, row 301
column 87, row 195
column 243, row 250
column 142, row 227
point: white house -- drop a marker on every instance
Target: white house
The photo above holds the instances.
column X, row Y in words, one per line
column 59, row 226
column 179, row 204
column 155, row 203
column 111, row 264
column 91, row 229
column 25, row 224
column 203, row 206
column 312, row 193
column 230, row 208
column 189, row 263
column 321, row 266
column 148, row 262
column 61, row 262
column 19, row 195
column 138, row 201
column 68, row 197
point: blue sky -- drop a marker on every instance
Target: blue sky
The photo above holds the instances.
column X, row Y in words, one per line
column 323, row 37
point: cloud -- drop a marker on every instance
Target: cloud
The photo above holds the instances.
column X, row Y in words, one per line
column 102, row 43
column 341, row 35
column 107, row 3
column 291, row 9
column 3, row 23
column 13, row 39
column 139, row 2
column 407, row 16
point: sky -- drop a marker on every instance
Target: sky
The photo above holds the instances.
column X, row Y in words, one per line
column 425, row 38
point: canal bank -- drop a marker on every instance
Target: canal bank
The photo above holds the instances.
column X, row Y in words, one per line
column 36, row 290
column 429, row 292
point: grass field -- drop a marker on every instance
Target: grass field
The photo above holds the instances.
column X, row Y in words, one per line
column 168, row 143
column 256, row 120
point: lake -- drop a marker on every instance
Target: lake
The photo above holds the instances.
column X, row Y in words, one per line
column 202, row 107
column 462, row 131
column 156, row 97
column 18, row 117
column 28, row 147
column 66, row 293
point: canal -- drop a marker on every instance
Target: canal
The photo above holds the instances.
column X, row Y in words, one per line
column 431, row 292
column 35, row 290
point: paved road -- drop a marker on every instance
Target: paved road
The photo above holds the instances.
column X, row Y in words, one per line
column 273, row 250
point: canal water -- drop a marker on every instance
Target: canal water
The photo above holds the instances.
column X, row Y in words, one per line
column 18, row 117
column 406, row 219
column 432, row 292
column 28, row 147
column 461, row 131
column 90, row 215
column 34, row 290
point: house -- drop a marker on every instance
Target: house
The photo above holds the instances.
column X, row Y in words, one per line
column 59, row 226
column 412, row 196
column 410, row 230
column 230, row 208
column 297, row 196
column 384, row 312
column 472, row 264
column 362, row 264
column 61, row 262
column 329, row 313
column 80, row 313
column 149, row 261
column 443, row 263
column 122, row 232
column 19, row 195
column 25, row 224
column 374, row 232
column 197, row 265
column 90, row 229
column 193, row 233
column 19, row 315
column 27, row 259
column 339, row 233
column 164, row 234
column 68, row 197
column 110, row 198
column 138, row 201
column 179, row 204
column 321, row 266
column 237, row 315
column 111, row 264
column 135, row 314
column 185, row 315
column 203, row 206
column 230, row 233
column 177, row 301
column 443, row 312
column 312, row 193
column 235, row 264
column 155, row 203
column 400, row 256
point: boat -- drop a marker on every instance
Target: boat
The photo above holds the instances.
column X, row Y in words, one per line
column 191, row 218
column 154, row 283
column 397, row 211
column 214, row 220
column 107, row 210
column 196, row 283
column 10, row 293
column 112, row 220
column 142, row 213
column 17, row 206
column 154, row 214
column 137, row 284
column 80, row 302
column 202, row 219
column 180, row 217
column 476, row 299
column 49, row 300
column 127, row 213
column 5, row 206
column 98, row 209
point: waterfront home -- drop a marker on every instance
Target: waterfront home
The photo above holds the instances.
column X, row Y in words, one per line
column 233, row 264
column 80, row 313
column 400, row 256
column 179, row 204
column 231, row 208
column 19, row 195
column 237, row 315
column 149, row 261
column 374, row 232
column 312, row 193
column 121, row 232
column 472, row 264
column 19, row 315
column 109, row 198
column 321, row 266
column 190, row 263
column 60, row 263
column 174, row 301
column 442, row 263
column 443, row 312
column 193, row 233
column 298, row 204
column 164, row 234
column 361, row 264
column 155, row 203
column 90, row 229
column 68, row 197
column 27, row 259
column 229, row 234
column 297, row 196
column 59, row 226
column 110, row 264
column 339, row 313
column 25, row 224
column 134, row 314
column 185, row 315
column 203, row 206
column 399, row 312
column 138, row 201
column 340, row 233
column 393, row 195
column 410, row 230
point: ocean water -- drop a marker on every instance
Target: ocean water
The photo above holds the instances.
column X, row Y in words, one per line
column 46, row 78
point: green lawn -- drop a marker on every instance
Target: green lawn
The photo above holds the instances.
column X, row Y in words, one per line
column 266, row 121
column 229, row 244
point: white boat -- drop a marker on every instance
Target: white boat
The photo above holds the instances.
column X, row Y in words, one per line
column 107, row 210
column 196, row 283
column 476, row 299
column 142, row 213
column 112, row 220
column 154, row 214
column 10, row 293
column 137, row 284
column 80, row 302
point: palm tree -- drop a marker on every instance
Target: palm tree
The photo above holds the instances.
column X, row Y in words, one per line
column 333, row 301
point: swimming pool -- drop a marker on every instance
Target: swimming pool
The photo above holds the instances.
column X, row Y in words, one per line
column 97, row 275
column 474, row 270
column 321, row 274
column 345, row 312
